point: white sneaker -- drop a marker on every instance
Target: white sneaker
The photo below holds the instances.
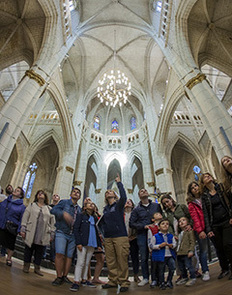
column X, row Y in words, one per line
column 182, row 281
column 206, row 276
column 190, row 282
column 143, row 282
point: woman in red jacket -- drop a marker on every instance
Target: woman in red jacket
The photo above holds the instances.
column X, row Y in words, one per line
column 196, row 212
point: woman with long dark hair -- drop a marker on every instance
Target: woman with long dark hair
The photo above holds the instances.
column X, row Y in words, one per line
column 218, row 220
column 196, row 212
column 37, row 230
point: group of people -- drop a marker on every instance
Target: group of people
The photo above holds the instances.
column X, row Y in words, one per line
column 165, row 232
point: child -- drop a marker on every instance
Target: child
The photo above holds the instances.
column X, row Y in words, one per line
column 185, row 252
column 162, row 245
column 152, row 230
column 87, row 239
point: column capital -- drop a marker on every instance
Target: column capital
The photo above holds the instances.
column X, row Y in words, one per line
column 33, row 75
column 195, row 80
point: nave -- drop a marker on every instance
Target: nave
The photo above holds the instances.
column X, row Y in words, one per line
column 14, row 281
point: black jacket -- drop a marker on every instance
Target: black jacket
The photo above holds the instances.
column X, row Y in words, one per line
column 143, row 215
column 81, row 229
column 207, row 206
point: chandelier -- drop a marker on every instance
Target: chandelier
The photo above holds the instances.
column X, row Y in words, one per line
column 114, row 87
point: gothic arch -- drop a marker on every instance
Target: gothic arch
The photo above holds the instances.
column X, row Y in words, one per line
column 61, row 107
column 164, row 124
column 192, row 148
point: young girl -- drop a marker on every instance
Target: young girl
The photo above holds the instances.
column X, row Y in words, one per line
column 87, row 239
column 196, row 212
column 185, row 252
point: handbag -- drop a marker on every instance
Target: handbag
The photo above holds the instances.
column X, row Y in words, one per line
column 11, row 227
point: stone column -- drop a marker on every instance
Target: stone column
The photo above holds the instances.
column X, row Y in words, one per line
column 17, row 109
column 163, row 173
column 65, row 174
column 212, row 112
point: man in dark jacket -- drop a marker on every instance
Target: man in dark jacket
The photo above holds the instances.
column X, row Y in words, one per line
column 140, row 217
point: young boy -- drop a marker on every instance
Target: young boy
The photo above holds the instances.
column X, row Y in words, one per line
column 152, row 230
column 162, row 245
column 185, row 252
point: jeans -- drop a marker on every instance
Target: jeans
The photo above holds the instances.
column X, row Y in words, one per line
column 203, row 253
column 170, row 262
column 65, row 244
column 185, row 264
column 38, row 253
column 134, row 253
column 144, row 252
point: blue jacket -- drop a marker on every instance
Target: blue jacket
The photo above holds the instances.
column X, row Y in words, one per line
column 142, row 216
column 11, row 210
column 112, row 222
column 159, row 255
column 81, row 229
column 58, row 211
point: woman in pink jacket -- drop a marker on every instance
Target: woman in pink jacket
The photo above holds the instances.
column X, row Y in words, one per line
column 196, row 212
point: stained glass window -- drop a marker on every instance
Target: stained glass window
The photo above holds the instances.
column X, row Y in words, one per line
column 133, row 123
column 29, row 180
column 114, row 127
column 96, row 124
column 197, row 172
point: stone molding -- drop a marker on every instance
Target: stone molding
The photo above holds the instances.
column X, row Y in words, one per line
column 159, row 171
column 33, row 75
column 150, row 184
column 70, row 169
column 195, row 80
column 77, row 182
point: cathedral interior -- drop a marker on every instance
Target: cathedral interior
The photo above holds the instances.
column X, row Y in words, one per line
column 57, row 127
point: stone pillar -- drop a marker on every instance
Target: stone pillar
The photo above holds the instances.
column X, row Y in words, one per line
column 163, row 173
column 212, row 112
column 17, row 109
column 65, row 174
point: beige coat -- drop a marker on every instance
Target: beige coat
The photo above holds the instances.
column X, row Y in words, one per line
column 29, row 223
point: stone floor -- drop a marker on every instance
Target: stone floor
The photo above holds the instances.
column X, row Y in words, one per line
column 15, row 282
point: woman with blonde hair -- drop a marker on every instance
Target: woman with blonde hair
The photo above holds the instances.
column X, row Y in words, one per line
column 116, row 239
column 37, row 230
column 218, row 220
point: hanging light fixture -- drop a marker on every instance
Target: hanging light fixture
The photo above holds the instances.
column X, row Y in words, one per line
column 114, row 87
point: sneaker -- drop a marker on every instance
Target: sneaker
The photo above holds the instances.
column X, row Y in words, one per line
column 169, row 285
column 143, row 282
column 88, row 284
column 206, row 276
column 123, row 289
column 223, row 274
column 162, row 286
column 58, row 281
column 108, row 286
column 74, row 287
column 67, row 280
column 182, row 281
column 190, row 283
column 153, row 284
